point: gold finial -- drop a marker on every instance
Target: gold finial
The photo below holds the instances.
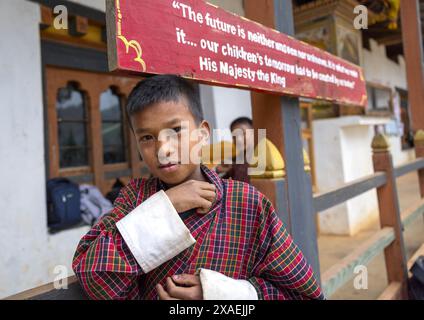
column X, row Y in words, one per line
column 380, row 143
column 275, row 165
column 217, row 153
column 419, row 137
column 306, row 161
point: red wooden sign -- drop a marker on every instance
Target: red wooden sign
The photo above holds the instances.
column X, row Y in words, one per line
column 200, row 41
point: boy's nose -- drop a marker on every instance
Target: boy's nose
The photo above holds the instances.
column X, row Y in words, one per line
column 166, row 150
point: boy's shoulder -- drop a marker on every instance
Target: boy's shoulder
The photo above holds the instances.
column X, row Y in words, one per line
column 142, row 187
column 247, row 194
column 136, row 191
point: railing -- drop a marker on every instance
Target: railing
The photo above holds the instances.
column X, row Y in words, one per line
column 331, row 198
column 389, row 239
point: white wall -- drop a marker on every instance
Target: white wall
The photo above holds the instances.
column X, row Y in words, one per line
column 28, row 253
column 378, row 68
column 357, row 162
column 222, row 105
column 343, row 154
column 234, row 6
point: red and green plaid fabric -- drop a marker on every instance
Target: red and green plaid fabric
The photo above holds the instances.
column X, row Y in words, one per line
column 241, row 237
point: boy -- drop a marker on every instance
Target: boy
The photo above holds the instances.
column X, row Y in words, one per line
column 185, row 233
column 238, row 171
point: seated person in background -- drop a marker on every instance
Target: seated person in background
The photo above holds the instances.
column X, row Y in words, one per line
column 238, row 171
column 185, row 233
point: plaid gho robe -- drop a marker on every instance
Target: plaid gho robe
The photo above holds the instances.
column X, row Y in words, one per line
column 241, row 237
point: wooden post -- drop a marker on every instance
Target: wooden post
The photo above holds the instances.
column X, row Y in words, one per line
column 281, row 117
column 310, row 179
column 412, row 46
column 390, row 214
column 96, row 152
column 47, row 17
column 419, row 153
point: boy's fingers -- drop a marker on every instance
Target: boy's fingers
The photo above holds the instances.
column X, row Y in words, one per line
column 200, row 202
column 208, row 195
column 163, row 295
column 206, row 185
column 184, row 293
column 204, row 204
column 186, row 279
column 174, row 290
column 210, row 187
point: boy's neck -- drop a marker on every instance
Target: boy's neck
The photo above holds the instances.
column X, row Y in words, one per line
column 196, row 175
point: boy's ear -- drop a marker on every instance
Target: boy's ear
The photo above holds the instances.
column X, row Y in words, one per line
column 205, row 132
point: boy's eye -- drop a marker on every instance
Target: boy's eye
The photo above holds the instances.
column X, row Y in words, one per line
column 146, row 138
column 177, row 129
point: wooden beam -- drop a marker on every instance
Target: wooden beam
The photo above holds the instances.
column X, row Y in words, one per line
column 412, row 213
column 71, row 57
column 49, row 292
column 412, row 46
column 94, row 91
column 331, row 198
column 408, row 167
column 343, row 271
column 388, row 203
column 47, row 17
column 390, row 40
column 78, row 26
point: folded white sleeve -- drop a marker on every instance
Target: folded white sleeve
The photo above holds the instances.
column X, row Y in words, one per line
column 154, row 232
column 217, row 286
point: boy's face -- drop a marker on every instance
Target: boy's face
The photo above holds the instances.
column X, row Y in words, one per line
column 165, row 132
column 241, row 136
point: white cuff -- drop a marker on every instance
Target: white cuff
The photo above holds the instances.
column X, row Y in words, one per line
column 217, row 286
column 154, row 232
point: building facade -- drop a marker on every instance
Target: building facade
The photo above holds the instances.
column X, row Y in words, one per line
column 62, row 115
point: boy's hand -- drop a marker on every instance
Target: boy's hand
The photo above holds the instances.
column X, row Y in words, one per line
column 181, row 287
column 192, row 194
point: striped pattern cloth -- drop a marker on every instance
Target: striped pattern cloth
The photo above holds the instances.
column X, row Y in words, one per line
column 240, row 237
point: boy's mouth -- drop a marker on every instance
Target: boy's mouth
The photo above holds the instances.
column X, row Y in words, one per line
column 169, row 167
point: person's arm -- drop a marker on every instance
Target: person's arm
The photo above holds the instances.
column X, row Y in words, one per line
column 126, row 243
column 281, row 271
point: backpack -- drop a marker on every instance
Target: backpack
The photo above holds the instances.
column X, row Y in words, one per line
column 416, row 282
column 63, row 203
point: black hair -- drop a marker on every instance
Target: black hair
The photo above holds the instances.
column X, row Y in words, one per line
column 241, row 120
column 164, row 88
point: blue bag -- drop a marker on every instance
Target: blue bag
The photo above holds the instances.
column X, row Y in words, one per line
column 63, row 203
